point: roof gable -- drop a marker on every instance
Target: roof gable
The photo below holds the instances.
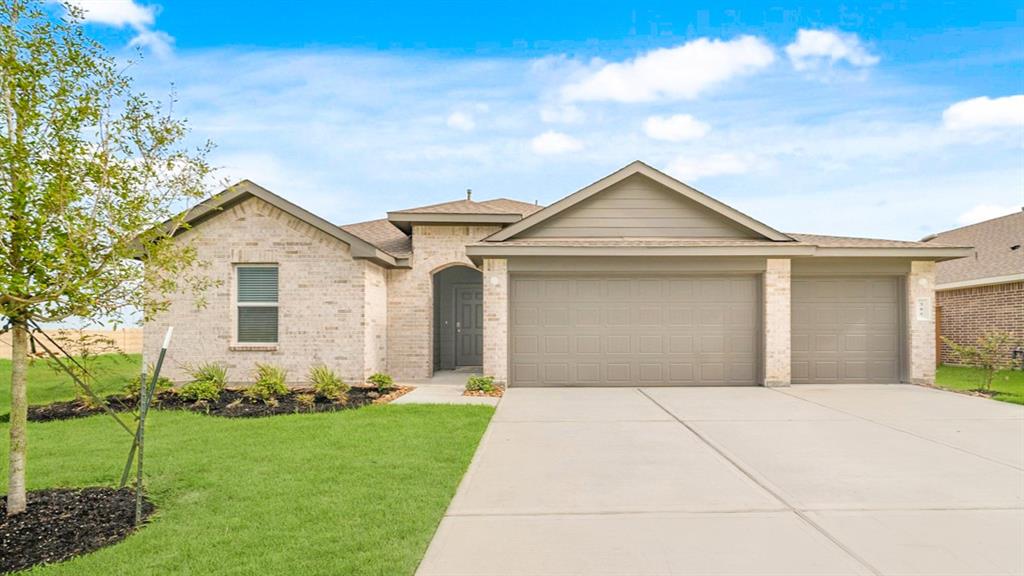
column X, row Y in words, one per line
column 211, row 207
column 639, row 201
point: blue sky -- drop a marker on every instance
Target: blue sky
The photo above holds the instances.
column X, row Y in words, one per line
column 890, row 119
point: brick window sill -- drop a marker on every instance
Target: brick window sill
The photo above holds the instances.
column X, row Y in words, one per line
column 253, row 347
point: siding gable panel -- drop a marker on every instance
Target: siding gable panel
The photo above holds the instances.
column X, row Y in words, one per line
column 638, row 207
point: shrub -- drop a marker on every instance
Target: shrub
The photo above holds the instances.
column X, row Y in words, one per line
column 131, row 386
column 989, row 355
column 213, row 372
column 305, row 401
column 327, row 384
column 382, row 381
column 200, row 391
column 480, row 384
column 269, row 385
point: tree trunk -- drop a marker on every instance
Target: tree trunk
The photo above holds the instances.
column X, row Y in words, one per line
column 19, row 416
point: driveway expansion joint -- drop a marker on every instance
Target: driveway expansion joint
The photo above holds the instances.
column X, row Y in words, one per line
column 774, row 493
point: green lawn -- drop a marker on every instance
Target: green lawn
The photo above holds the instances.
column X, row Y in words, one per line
column 356, row 492
column 47, row 385
column 1008, row 385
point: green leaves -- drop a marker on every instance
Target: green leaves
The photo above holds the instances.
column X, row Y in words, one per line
column 92, row 178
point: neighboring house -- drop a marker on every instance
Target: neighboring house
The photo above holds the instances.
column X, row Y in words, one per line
column 983, row 292
column 637, row 279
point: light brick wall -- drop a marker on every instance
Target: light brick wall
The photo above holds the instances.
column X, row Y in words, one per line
column 777, row 320
column 411, row 295
column 321, row 313
column 921, row 285
column 376, row 320
column 496, row 287
column 968, row 313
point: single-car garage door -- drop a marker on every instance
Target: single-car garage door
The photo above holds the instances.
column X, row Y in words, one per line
column 589, row 330
column 846, row 330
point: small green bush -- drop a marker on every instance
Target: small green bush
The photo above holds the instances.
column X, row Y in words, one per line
column 200, row 391
column 382, row 381
column 131, row 386
column 209, row 372
column 305, row 401
column 269, row 385
column 327, row 384
column 480, row 384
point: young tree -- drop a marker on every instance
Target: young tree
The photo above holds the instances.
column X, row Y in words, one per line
column 92, row 174
column 991, row 354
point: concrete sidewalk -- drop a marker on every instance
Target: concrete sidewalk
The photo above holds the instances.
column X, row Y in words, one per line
column 805, row 480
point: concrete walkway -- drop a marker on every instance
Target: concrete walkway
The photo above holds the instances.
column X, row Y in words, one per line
column 807, row 480
column 445, row 387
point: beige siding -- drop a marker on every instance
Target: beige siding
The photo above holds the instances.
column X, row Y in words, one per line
column 322, row 291
column 637, row 207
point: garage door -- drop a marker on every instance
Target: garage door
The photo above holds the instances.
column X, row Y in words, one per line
column 627, row 331
column 846, row 330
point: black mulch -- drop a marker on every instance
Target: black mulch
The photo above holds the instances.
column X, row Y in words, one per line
column 63, row 523
column 233, row 403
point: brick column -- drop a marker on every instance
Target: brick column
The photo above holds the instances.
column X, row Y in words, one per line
column 496, row 319
column 777, row 307
column 921, row 322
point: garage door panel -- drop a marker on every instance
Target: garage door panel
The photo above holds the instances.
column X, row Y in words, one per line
column 650, row 331
column 845, row 330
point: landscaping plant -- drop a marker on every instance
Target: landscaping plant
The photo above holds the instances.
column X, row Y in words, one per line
column 989, row 355
column 480, row 384
column 269, row 385
column 382, row 381
column 327, row 384
column 132, row 384
column 92, row 174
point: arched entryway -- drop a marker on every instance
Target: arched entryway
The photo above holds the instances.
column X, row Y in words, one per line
column 458, row 318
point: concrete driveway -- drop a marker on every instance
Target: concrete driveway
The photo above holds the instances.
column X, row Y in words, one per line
column 808, row 480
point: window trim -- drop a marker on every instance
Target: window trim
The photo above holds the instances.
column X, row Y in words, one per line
column 236, row 344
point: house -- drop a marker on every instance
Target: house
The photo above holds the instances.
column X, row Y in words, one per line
column 636, row 279
column 983, row 292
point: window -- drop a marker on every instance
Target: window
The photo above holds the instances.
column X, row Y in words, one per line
column 257, row 304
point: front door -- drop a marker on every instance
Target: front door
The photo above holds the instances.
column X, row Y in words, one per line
column 469, row 326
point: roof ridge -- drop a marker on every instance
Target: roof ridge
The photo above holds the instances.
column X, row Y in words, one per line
column 989, row 221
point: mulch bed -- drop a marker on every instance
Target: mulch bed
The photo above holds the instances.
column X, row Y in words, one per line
column 63, row 523
column 233, row 403
column 496, row 393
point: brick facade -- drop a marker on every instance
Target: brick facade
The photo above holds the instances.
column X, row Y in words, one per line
column 777, row 321
column 322, row 294
column 496, row 286
column 966, row 314
column 921, row 330
column 411, row 295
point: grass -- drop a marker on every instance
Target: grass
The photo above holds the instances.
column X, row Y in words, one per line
column 1007, row 386
column 357, row 492
column 46, row 383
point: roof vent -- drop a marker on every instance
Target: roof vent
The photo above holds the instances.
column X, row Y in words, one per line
column 469, row 194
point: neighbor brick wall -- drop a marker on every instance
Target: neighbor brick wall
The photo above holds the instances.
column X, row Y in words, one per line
column 968, row 313
column 921, row 284
column 496, row 287
column 321, row 313
column 411, row 295
column 777, row 322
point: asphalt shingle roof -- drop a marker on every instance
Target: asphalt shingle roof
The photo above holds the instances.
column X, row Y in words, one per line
column 993, row 242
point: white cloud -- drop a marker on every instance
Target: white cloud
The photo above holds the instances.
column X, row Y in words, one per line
column 159, row 43
column 675, row 128
column 562, row 114
column 117, row 13
column 985, row 112
column 813, row 47
column 121, row 13
column 552, row 142
column 683, row 72
column 689, row 169
column 983, row 212
column 461, row 121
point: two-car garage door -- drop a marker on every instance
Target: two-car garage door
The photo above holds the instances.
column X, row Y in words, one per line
column 615, row 330
column 608, row 330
